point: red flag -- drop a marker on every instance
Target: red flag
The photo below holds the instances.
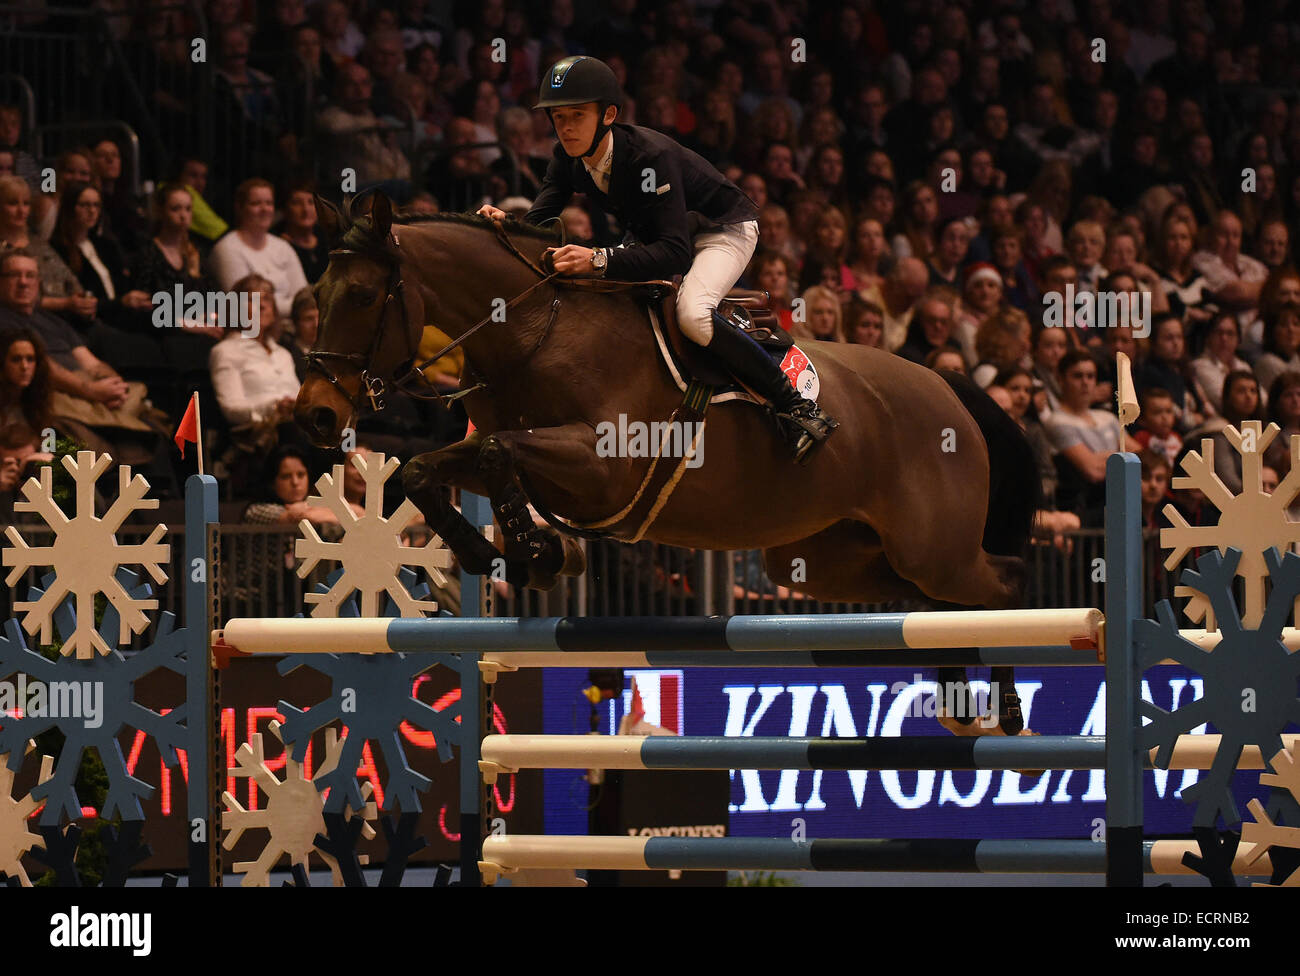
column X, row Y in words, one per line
column 189, row 426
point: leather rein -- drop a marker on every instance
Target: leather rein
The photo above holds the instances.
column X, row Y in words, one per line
column 372, row 388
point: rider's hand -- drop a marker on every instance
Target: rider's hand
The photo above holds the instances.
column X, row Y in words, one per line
column 572, row 259
column 487, row 210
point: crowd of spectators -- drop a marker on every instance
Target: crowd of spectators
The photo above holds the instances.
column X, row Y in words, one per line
column 933, row 179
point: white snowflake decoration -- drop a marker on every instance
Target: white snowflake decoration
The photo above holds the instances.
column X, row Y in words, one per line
column 86, row 555
column 371, row 551
column 1260, row 837
column 1252, row 521
column 293, row 814
column 15, row 839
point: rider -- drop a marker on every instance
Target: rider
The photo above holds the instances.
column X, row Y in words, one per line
column 683, row 216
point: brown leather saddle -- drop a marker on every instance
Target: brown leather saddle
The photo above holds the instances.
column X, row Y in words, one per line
column 748, row 308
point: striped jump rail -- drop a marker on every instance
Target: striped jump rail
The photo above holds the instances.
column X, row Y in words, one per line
column 506, row 853
column 503, row 754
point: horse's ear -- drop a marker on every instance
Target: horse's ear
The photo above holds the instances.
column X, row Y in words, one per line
column 381, row 215
column 333, row 224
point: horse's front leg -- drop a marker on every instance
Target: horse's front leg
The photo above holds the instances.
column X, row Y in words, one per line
column 563, row 462
column 427, row 481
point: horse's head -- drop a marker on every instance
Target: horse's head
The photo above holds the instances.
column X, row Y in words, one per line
column 370, row 322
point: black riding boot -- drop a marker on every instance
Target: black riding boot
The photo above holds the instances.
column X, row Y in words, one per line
column 803, row 424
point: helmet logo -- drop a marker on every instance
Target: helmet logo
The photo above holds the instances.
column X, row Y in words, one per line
column 561, row 69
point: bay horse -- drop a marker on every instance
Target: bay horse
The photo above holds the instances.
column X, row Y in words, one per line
column 927, row 490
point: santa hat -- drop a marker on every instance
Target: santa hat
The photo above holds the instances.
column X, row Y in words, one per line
column 982, row 269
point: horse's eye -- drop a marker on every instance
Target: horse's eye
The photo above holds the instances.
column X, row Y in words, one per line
column 361, row 295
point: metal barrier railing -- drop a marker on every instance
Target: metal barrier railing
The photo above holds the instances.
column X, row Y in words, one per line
column 646, row 579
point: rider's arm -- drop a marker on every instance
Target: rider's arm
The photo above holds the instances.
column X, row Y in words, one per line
column 664, row 227
column 556, row 190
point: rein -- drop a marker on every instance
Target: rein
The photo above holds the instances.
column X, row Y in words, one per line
column 372, row 387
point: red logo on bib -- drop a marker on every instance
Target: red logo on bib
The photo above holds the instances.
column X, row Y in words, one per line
column 794, row 363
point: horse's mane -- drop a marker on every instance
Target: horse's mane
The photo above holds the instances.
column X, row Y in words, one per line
column 512, row 225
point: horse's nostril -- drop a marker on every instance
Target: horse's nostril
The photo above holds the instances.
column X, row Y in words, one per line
column 323, row 420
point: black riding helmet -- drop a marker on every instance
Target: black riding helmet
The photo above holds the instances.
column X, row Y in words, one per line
column 577, row 80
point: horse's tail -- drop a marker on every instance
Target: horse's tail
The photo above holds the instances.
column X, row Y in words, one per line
column 1014, row 486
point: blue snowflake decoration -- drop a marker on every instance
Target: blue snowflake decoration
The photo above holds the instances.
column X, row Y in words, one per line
column 1250, row 677
column 114, row 675
column 377, row 688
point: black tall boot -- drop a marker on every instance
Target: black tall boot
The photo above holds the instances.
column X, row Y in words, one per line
column 802, row 423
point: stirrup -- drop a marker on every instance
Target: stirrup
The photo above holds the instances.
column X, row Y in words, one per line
column 804, row 426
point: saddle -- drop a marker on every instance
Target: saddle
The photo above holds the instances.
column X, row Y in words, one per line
column 747, row 307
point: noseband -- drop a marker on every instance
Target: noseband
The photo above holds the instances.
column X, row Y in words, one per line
column 373, row 388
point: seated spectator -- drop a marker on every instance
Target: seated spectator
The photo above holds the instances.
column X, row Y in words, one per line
column 299, row 229
column 193, row 175
column 1166, row 366
column 1234, row 278
column 1274, row 244
column 1049, row 349
column 305, row 319
column 254, row 377
column 250, row 249
column 457, row 176
column 11, row 137
column 981, row 296
column 1083, row 438
column 953, row 241
column 357, row 138
column 521, row 168
column 1085, row 245
column 1283, row 410
column 823, row 316
column 1220, row 358
column 88, row 393
column 1156, row 424
column 770, row 272
column 1001, row 343
column 1019, row 385
column 868, row 254
column 577, row 224
column 1242, row 400
column 96, row 259
column 124, row 216
column 1035, row 246
column 920, row 217
column 774, row 232
column 1157, row 470
column 996, row 215
column 1185, row 288
column 945, row 358
column 1281, row 344
column 1280, row 287
column 897, row 296
column 61, row 292
column 931, row 327
column 828, row 246
column 26, row 392
column 864, row 322
column 170, row 260
column 1018, row 286
column 284, row 492
column 71, row 167
column 1121, row 257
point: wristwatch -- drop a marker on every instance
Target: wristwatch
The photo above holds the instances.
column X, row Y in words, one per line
column 599, row 258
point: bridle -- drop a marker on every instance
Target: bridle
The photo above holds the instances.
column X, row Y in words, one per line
column 372, row 388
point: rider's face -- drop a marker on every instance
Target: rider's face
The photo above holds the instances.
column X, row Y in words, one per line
column 575, row 126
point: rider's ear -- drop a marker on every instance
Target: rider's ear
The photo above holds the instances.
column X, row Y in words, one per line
column 331, row 221
column 611, row 113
